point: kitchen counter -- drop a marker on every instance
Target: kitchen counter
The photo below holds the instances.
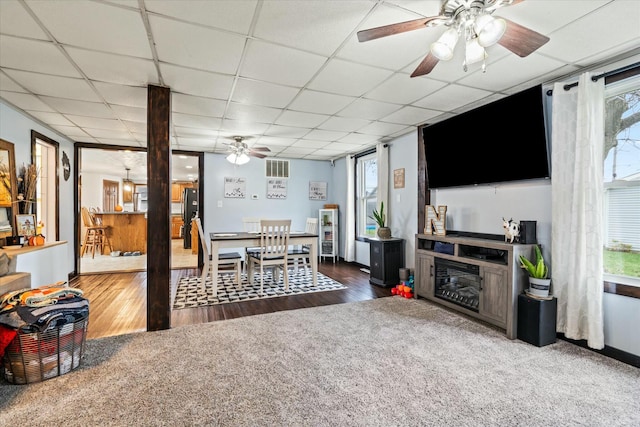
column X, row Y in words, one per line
column 127, row 231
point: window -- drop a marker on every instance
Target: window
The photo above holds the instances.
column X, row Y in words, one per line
column 622, row 182
column 366, row 194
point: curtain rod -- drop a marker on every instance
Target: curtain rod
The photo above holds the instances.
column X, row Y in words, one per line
column 369, row 151
column 599, row 76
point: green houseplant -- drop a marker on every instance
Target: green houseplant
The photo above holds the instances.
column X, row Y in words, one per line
column 538, row 271
column 380, row 218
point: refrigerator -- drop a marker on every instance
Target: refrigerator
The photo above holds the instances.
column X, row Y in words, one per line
column 189, row 211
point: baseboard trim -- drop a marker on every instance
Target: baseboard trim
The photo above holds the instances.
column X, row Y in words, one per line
column 614, row 353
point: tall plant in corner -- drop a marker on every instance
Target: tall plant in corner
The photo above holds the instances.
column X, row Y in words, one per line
column 380, row 218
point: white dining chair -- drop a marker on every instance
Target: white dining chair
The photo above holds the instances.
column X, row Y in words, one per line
column 250, row 225
column 274, row 244
column 233, row 259
column 299, row 254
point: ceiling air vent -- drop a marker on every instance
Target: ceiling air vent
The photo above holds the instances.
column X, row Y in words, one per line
column 277, row 168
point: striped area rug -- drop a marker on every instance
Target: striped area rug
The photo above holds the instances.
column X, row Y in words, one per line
column 190, row 294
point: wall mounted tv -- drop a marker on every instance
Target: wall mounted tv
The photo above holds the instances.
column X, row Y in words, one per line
column 498, row 142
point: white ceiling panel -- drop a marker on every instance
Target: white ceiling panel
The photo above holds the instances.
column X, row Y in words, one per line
column 281, row 73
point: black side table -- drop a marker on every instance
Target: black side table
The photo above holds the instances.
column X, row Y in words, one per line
column 537, row 320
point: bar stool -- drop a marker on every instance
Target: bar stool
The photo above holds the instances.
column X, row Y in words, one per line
column 95, row 236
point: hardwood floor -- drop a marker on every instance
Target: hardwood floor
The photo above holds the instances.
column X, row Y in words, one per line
column 118, row 300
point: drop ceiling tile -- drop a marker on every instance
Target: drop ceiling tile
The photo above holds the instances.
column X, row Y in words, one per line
column 381, row 128
column 343, row 124
column 348, row 78
column 96, row 123
column 194, row 121
column 296, row 118
column 410, row 115
column 198, row 105
column 201, row 143
column 122, row 143
column 63, row 87
column 122, row 94
column 451, row 97
column 230, row 15
column 245, row 113
column 278, row 64
column 243, row 128
column 272, row 141
column 311, row 101
column 81, row 108
column 182, row 131
column 617, row 23
column 137, row 128
column 263, row 93
column 105, row 67
column 51, row 119
column 26, row 101
column 328, row 153
column 345, row 147
column 108, row 133
column 72, row 132
column 305, row 143
column 36, row 56
column 278, row 131
column 6, row 84
column 130, row 113
column 324, row 135
column 359, row 138
column 402, row 89
column 16, row 21
column 512, row 70
column 368, row 109
column 195, row 46
column 296, row 151
column 283, row 24
column 194, row 82
column 93, row 25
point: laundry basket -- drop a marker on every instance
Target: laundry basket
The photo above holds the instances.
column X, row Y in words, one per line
column 37, row 356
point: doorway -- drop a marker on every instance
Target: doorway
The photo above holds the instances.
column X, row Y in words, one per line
column 103, row 172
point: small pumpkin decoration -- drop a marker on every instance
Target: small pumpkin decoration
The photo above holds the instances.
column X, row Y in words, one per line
column 37, row 240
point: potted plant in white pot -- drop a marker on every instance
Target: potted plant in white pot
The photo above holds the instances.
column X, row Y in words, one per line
column 380, row 218
column 539, row 282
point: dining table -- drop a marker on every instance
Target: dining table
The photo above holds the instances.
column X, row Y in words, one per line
column 242, row 239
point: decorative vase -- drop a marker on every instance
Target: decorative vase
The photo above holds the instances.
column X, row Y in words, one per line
column 384, row 232
column 539, row 287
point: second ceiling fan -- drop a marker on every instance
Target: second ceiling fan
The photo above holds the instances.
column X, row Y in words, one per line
column 471, row 20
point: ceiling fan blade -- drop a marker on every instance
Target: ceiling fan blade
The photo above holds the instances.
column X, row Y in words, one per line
column 397, row 28
column 260, row 148
column 258, row 155
column 521, row 40
column 426, row 65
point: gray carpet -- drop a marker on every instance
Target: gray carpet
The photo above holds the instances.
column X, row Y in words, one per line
column 385, row 362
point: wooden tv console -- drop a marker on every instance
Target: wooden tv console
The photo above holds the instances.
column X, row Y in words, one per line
column 501, row 279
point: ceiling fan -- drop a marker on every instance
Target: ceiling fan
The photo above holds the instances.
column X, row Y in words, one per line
column 472, row 20
column 239, row 151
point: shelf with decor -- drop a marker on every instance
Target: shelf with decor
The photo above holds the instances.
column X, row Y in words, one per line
column 328, row 234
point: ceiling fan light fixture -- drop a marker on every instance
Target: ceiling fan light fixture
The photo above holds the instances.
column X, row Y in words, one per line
column 238, row 159
column 473, row 52
column 489, row 29
column 444, row 46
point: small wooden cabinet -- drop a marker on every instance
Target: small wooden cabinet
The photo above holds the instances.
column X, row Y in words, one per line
column 177, row 188
column 176, row 225
column 386, row 258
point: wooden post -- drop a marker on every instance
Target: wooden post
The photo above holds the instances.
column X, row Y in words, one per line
column 159, row 208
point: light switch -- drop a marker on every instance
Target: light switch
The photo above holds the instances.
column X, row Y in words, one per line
column 398, row 198
column 219, row 203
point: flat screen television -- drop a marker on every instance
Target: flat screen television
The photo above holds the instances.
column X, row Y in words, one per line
column 498, row 142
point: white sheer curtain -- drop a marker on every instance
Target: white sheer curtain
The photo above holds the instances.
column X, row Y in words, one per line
column 350, row 212
column 382, row 161
column 577, row 209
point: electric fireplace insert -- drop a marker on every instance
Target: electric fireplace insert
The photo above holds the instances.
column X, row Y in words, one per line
column 458, row 283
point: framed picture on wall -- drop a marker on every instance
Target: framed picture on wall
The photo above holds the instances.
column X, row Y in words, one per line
column 26, row 225
column 317, row 190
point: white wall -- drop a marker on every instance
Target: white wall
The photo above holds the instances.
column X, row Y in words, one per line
column 15, row 127
column 296, row 206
